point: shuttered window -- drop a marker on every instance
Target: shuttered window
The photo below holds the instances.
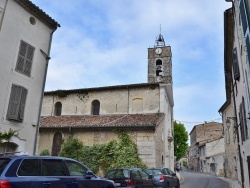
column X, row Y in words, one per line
column 25, row 58
column 243, row 122
column 17, row 103
column 236, row 65
column 243, row 15
column 248, row 49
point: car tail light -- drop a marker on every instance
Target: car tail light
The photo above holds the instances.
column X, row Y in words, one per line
column 162, row 177
column 130, row 182
column 5, row 184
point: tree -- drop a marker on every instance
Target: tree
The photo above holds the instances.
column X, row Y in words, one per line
column 180, row 140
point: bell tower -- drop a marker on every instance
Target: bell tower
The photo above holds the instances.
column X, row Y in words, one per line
column 160, row 62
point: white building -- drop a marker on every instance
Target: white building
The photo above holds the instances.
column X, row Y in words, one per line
column 236, row 110
column 25, row 34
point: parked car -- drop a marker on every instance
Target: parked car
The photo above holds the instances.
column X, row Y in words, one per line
column 130, row 178
column 164, row 177
column 47, row 172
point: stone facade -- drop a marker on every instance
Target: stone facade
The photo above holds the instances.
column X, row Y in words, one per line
column 206, row 151
column 144, row 110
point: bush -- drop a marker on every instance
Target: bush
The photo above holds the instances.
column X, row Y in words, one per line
column 44, row 152
column 115, row 154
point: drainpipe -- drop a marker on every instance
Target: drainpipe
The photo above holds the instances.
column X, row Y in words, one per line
column 238, row 138
column 42, row 93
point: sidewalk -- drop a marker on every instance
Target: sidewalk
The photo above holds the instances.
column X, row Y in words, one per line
column 233, row 183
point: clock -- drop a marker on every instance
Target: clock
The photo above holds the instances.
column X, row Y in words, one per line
column 158, row 50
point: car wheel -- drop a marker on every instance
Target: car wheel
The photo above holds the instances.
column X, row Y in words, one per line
column 167, row 185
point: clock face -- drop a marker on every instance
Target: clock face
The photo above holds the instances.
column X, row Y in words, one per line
column 158, row 50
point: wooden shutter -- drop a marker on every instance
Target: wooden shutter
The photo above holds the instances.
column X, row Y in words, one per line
column 22, row 103
column 235, row 65
column 25, row 58
column 17, row 103
column 14, row 102
column 243, row 15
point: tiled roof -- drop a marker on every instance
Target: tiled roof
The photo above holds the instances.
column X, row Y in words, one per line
column 39, row 13
column 87, row 121
column 140, row 85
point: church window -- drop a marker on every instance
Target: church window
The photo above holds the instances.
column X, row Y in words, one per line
column 95, row 107
column 158, row 67
column 57, row 142
column 58, row 109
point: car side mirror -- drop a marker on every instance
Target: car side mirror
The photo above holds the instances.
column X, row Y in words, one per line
column 150, row 176
column 89, row 174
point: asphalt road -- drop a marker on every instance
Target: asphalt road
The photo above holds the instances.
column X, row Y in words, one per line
column 200, row 180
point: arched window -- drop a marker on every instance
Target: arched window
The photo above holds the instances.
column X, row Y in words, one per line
column 57, row 142
column 95, row 107
column 158, row 67
column 58, row 109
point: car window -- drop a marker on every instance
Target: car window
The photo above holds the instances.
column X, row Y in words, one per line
column 76, row 169
column 144, row 175
column 135, row 175
column 165, row 171
column 28, row 167
column 3, row 164
column 53, row 167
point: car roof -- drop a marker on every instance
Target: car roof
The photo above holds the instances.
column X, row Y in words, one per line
column 34, row 157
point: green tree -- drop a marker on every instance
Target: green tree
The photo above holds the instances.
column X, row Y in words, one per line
column 180, row 140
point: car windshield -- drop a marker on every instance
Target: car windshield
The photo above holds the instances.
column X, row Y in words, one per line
column 3, row 164
column 118, row 173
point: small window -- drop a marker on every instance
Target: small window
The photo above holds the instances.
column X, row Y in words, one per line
column 58, row 109
column 57, row 142
column 17, row 103
column 236, row 65
column 158, row 67
column 53, row 167
column 28, row 167
column 25, row 58
column 144, row 175
column 95, row 107
column 76, row 169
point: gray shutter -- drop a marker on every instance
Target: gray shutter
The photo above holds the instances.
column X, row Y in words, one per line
column 22, row 103
column 14, row 102
column 25, row 58
column 235, row 65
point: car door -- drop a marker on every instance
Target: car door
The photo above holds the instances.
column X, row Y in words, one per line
column 136, row 177
column 26, row 174
column 84, row 177
column 173, row 180
column 55, row 174
column 147, row 181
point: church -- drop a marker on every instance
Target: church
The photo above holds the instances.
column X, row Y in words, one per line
column 143, row 110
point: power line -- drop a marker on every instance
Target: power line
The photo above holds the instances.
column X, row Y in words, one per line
column 193, row 122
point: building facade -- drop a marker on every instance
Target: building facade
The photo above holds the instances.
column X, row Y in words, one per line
column 144, row 110
column 206, row 151
column 25, row 34
column 235, row 111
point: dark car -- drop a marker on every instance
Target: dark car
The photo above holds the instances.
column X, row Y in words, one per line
column 47, row 172
column 164, row 177
column 130, row 178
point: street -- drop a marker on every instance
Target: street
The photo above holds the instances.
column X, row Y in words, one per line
column 200, row 180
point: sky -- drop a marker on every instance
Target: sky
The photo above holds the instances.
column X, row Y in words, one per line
column 104, row 43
